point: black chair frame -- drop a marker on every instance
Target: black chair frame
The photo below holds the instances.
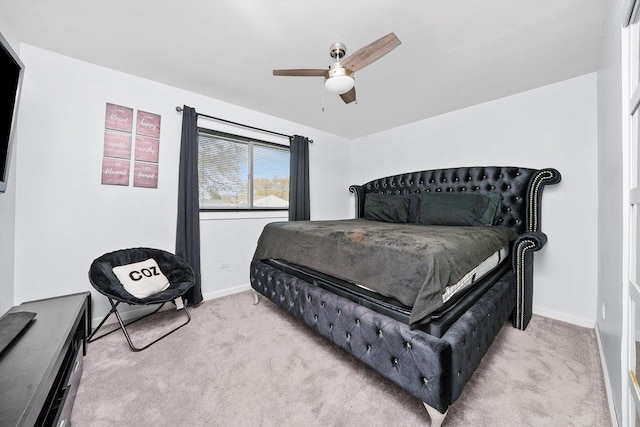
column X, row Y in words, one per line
column 123, row 326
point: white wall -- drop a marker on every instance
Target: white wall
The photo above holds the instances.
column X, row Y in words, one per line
column 552, row 126
column 65, row 218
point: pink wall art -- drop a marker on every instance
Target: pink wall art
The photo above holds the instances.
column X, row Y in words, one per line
column 147, row 149
column 119, row 118
column 117, row 144
column 115, row 171
column 148, row 124
column 120, row 135
column 145, row 175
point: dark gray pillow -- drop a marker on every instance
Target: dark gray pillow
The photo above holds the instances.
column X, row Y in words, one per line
column 414, row 207
column 386, row 207
column 458, row 209
column 492, row 209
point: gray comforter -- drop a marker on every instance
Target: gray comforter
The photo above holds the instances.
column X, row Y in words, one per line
column 411, row 263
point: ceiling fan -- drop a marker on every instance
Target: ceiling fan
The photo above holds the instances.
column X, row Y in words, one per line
column 339, row 77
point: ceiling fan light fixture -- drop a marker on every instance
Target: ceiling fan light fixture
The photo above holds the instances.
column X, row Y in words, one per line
column 339, row 79
column 339, row 84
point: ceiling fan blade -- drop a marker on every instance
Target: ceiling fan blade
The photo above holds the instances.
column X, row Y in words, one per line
column 349, row 97
column 371, row 52
column 303, row 72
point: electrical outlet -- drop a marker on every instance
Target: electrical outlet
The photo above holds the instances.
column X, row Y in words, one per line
column 225, row 264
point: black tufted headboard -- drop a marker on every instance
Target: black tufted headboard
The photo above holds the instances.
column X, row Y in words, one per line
column 520, row 189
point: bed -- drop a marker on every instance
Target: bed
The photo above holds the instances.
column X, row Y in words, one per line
column 418, row 285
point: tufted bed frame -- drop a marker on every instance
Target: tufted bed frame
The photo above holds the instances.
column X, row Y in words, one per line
column 433, row 368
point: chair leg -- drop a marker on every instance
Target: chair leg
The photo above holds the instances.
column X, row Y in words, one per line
column 91, row 338
column 114, row 310
column 256, row 297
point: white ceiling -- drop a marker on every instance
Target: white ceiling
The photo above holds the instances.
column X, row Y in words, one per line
column 454, row 53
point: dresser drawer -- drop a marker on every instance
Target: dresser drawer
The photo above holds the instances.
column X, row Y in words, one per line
column 70, row 390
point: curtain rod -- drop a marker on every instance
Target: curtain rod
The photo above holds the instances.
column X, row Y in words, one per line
column 179, row 109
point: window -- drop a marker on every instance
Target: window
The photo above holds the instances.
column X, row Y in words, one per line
column 241, row 173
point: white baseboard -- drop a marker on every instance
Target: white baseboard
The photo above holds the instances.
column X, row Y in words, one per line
column 225, row 292
column 128, row 315
column 607, row 384
column 142, row 310
column 579, row 321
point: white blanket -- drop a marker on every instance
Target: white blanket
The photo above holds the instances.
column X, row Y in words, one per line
column 141, row 279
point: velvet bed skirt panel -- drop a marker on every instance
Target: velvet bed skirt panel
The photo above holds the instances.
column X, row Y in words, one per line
column 473, row 333
column 432, row 369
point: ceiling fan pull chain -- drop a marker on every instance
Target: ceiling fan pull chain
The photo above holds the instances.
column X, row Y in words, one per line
column 323, row 98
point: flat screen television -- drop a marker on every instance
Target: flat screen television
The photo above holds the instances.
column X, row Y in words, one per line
column 11, row 83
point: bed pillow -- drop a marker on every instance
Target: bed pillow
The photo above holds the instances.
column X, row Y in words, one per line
column 458, row 209
column 387, row 207
column 414, row 207
column 492, row 210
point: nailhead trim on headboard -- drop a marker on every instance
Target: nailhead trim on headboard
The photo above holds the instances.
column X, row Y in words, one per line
column 537, row 184
column 520, row 253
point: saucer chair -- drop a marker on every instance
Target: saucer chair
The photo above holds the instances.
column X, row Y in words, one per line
column 115, row 275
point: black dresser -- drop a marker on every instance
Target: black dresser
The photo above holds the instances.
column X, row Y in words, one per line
column 40, row 370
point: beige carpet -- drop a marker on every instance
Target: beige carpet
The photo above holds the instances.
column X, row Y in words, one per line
column 237, row 364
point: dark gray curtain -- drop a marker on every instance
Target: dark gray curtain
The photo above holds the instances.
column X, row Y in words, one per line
column 299, row 209
column 188, row 229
